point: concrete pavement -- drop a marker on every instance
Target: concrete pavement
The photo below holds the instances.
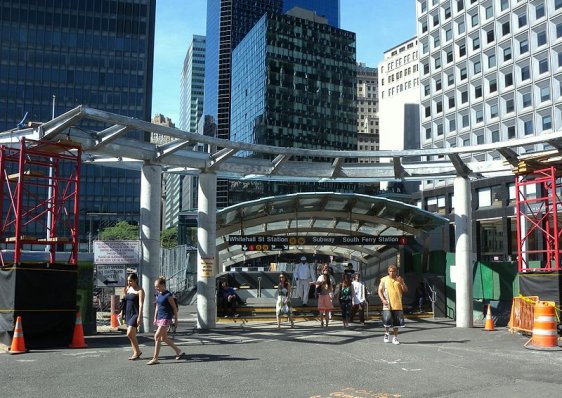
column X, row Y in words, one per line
column 434, row 359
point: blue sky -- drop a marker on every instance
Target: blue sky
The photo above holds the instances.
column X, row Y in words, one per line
column 379, row 25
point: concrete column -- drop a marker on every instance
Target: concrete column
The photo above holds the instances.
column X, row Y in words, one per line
column 207, row 264
column 150, row 198
column 463, row 252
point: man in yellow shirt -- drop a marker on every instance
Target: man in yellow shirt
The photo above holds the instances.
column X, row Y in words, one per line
column 391, row 289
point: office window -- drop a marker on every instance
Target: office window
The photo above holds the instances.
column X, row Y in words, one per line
column 436, row 41
column 494, row 110
column 508, row 79
column 507, row 54
column 490, row 36
column 504, row 4
column 436, row 20
column 489, row 12
column 505, row 28
column 476, row 43
column 528, row 127
column 450, row 79
column 526, row 100
column 479, row 116
column 452, row 125
column 509, row 105
column 559, row 56
column 465, row 121
column 424, row 6
column 460, row 5
column 493, row 86
column 546, row 122
column 477, row 67
column 559, row 29
column 462, row 50
column 525, row 73
column 511, row 132
column 426, row 89
column 448, row 35
column 491, row 60
column 425, row 69
column 480, row 139
column 449, row 56
column 461, row 27
column 425, row 48
column 437, row 63
column 437, row 84
column 424, row 26
column 464, row 97
column 451, row 102
column 463, row 73
column 522, row 20
column 447, row 12
column 439, row 129
column 428, row 133
column 495, row 136
column 427, row 111
column 439, row 107
column 543, row 65
column 545, row 94
column 539, row 11
column 524, row 46
column 474, row 20
column 557, row 4
column 541, row 38
column 478, row 91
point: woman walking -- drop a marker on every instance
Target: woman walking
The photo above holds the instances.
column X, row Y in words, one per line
column 283, row 304
column 325, row 289
column 134, row 298
column 345, row 295
column 166, row 311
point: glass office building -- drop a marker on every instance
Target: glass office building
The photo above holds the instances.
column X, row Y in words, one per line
column 56, row 55
column 293, row 85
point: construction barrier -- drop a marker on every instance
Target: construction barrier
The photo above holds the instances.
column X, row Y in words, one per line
column 522, row 314
column 545, row 327
column 18, row 343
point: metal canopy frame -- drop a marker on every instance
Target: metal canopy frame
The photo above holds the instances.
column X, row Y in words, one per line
column 112, row 146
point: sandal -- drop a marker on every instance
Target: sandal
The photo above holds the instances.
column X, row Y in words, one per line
column 135, row 357
column 153, row 361
column 180, row 356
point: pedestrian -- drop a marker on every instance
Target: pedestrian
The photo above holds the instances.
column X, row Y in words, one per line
column 166, row 312
column 303, row 276
column 359, row 298
column 325, row 288
column 349, row 269
column 227, row 300
column 134, row 299
column 345, row 295
column 391, row 289
column 283, row 304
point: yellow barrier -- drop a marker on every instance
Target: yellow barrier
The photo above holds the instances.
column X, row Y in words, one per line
column 522, row 314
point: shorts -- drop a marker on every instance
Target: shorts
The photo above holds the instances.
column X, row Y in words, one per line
column 163, row 322
column 393, row 318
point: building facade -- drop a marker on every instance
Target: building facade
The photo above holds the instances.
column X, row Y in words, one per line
column 367, row 111
column 329, row 9
column 58, row 55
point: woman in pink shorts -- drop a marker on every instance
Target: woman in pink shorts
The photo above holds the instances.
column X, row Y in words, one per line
column 325, row 288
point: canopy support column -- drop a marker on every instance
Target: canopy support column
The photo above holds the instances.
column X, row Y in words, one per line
column 463, row 245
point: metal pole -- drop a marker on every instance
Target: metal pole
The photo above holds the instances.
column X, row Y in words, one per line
column 207, row 265
column 463, row 239
column 149, row 236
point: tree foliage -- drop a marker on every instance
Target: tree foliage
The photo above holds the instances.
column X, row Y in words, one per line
column 120, row 231
column 169, row 238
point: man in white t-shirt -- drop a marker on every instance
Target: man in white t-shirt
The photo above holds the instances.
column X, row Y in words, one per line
column 303, row 276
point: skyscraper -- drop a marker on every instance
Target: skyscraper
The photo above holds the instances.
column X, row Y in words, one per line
column 228, row 22
column 329, row 9
column 57, row 55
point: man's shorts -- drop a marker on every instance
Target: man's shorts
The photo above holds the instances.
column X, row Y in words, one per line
column 393, row 318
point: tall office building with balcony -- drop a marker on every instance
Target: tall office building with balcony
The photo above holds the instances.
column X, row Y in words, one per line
column 490, row 71
column 57, row 55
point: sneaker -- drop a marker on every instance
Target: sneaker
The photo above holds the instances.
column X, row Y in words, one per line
column 395, row 341
column 386, row 338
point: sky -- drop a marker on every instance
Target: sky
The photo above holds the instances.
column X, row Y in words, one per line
column 379, row 25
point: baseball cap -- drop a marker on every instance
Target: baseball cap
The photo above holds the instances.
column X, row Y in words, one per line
column 349, row 265
column 303, row 258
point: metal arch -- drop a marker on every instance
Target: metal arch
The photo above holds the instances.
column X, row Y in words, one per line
column 118, row 150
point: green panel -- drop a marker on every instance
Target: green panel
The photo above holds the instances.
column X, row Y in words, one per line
column 417, row 263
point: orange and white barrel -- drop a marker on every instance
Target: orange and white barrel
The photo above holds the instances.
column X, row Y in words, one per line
column 545, row 333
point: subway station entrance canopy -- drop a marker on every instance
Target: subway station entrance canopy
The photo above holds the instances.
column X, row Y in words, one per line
column 320, row 216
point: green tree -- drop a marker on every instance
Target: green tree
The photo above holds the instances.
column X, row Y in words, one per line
column 169, row 238
column 120, row 231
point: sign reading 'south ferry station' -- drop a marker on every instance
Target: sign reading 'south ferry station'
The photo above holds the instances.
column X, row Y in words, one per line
column 391, row 240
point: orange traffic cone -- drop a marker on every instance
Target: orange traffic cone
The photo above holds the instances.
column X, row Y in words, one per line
column 114, row 321
column 78, row 336
column 489, row 325
column 18, row 343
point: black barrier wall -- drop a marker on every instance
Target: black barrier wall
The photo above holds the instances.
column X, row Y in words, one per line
column 45, row 297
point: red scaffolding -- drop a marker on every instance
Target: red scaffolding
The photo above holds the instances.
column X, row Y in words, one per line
column 538, row 202
column 40, row 185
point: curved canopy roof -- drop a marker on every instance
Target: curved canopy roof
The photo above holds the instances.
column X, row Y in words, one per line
column 320, row 214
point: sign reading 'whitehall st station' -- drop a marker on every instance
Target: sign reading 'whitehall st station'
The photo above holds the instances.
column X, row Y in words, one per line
column 116, row 252
column 390, row 240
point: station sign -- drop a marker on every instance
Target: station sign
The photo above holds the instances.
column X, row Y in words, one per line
column 268, row 242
